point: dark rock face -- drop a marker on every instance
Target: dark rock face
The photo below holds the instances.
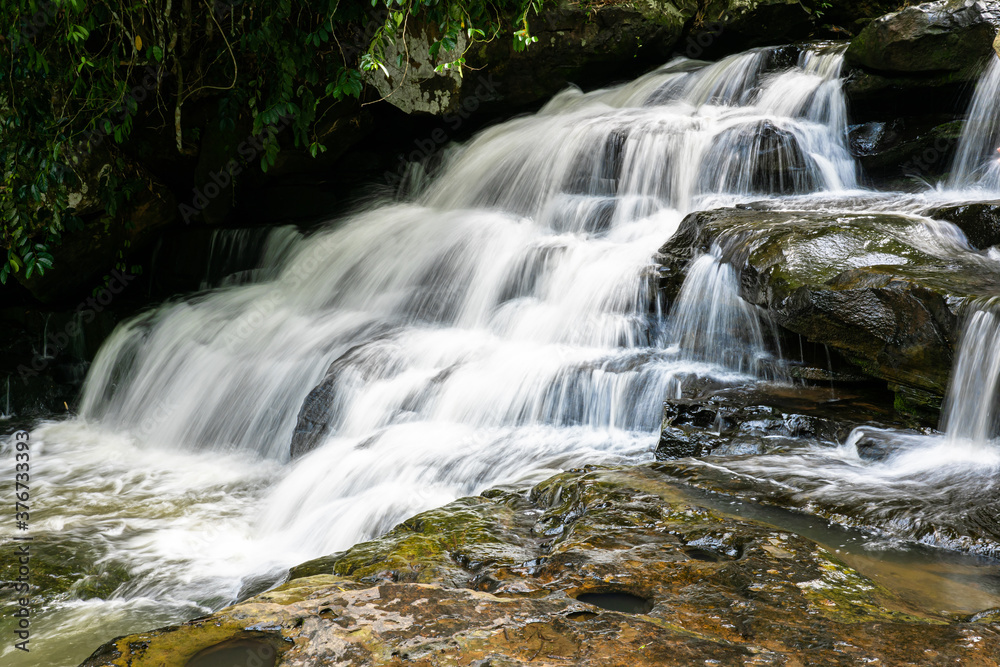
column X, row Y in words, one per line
column 764, row 420
column 979, row 220
column 83, row 256
column 314, row 417
column 923, row 59
column 856, row 282
column 516, row 578
column 947, row 35
column 589, row 46
column 905, row 152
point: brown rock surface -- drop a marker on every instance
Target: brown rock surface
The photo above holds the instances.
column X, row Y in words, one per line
column 504, row 579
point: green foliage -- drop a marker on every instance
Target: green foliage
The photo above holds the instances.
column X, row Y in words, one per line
column 78, row 78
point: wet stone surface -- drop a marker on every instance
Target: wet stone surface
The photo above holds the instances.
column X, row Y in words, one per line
column 766, row 419
column 505, row 579
column 884, row 290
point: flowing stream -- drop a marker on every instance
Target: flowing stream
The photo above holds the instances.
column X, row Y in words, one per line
column 499, row 326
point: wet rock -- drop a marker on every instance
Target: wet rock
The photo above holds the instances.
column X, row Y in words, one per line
column 906, row 152
column 979, row 220
column 757, row 157
column 877, row 444
column 739, row 422
column 529, row 578
column 313, row 422
column 947, row 35
column 922, row 59
column 877, row 288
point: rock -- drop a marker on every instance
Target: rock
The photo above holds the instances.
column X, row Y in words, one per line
column 313, row 422
column 864, row 284
column 322, row 410
column 583, row 45
column 906, row 152
column 775, row 161
column 877, row 444
column 594, row 567
column 83, row 256
column 924, row 59
column 412, row 80
column 980, row 221
column 947, row 35
column 765, row 419
column 44, row 355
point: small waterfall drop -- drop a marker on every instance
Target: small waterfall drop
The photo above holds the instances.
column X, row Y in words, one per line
column 977, row 163
column 711, row 323
column 970, row 412
column 238, row 256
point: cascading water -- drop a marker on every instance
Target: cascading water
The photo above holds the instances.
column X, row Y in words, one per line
column 497, row 330
column 969, row 412
column 977, row 163
column 730, row 332
column 237, row 256
column 937, row 488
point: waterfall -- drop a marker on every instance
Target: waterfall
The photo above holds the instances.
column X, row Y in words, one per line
column 237, row 256
column 977, row 163
column 514, row 292
column 710, row 322
column 498, row 327
column 969, row 412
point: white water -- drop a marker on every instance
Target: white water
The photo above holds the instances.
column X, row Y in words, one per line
column 970, row 411
column 239, row 256
column 977, row 163
column 730, row 334
column 496, row 330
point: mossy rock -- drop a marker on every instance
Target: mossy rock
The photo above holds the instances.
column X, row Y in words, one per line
column 696, row 585
column 872, row 286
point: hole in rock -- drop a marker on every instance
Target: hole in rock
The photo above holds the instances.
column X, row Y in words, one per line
column 704, row 554
column 624, row 602
column 236, row 653
column 581, row 615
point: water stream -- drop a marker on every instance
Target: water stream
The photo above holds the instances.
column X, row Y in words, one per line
column 497, row 327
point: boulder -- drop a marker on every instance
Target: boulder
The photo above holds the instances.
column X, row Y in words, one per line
column 867, row 285
column 609, row 567
column 315, row 415
column 924, row 59
column 980, row 221
column 736, row 421
column 942, row 36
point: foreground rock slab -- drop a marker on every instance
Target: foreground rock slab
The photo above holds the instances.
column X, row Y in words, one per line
column 591, row 567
